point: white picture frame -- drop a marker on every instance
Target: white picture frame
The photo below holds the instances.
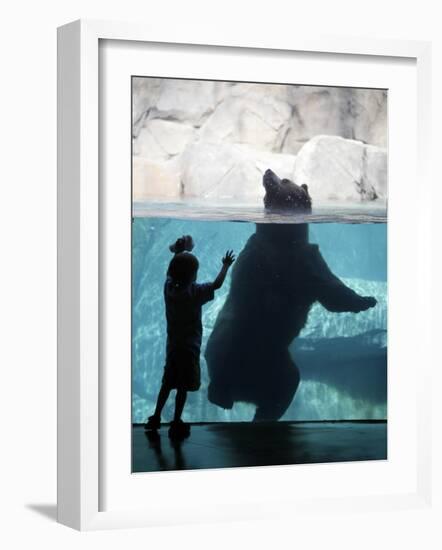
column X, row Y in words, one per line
column 80, row 273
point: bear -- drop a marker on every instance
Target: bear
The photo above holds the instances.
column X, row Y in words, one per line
column 275, row 280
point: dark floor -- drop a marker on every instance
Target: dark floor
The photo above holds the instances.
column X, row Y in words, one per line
column 226, row 445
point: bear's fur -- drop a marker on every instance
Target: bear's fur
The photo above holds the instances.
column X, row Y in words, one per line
column 275, row 280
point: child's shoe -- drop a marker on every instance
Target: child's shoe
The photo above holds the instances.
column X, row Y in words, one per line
column 179, row 429
column 153, row 423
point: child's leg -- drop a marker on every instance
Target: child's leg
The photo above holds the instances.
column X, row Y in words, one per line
column 180, row 401
column 161, row 401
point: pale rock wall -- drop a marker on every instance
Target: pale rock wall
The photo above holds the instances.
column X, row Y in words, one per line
column 223, row 171
column 335, row 168
column 215, row 139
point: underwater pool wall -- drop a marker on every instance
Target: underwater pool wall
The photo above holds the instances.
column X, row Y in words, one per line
column 342, row 357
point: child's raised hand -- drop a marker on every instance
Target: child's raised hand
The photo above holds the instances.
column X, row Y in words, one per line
column 229, row 258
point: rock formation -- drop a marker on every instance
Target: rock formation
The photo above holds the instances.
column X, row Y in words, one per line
column 214, row 139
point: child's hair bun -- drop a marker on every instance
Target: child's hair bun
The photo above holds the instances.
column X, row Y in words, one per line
column 184, row 243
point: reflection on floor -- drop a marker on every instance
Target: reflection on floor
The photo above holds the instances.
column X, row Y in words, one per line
column 226, row 445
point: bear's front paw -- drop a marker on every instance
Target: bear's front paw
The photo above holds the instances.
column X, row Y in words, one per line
column 369, row 302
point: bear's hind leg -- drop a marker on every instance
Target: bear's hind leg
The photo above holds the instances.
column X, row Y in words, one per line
column 279, row 394
column 219, row 393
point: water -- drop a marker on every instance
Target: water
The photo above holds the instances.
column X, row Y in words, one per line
column 252, row 211
column 341, row 356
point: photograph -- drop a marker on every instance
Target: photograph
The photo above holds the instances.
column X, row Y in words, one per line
column 259, row 274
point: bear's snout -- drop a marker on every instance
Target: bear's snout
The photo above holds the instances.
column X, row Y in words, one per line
column 270, row 179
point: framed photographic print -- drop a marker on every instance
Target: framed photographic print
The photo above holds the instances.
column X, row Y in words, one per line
column 235, row 253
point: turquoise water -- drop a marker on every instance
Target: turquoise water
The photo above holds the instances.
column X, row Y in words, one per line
column 252, row 211
column 342, row 357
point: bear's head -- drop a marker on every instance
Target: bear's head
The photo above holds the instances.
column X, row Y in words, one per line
column 283, row 194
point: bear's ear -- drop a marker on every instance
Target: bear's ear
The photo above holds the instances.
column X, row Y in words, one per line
column 305, row 187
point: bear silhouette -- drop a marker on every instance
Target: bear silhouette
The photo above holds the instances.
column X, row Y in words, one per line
column 276, row 279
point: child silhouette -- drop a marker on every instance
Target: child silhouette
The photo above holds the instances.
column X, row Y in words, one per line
column 184, row 298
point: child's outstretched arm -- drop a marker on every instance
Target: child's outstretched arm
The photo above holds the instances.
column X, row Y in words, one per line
column 228, row 260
